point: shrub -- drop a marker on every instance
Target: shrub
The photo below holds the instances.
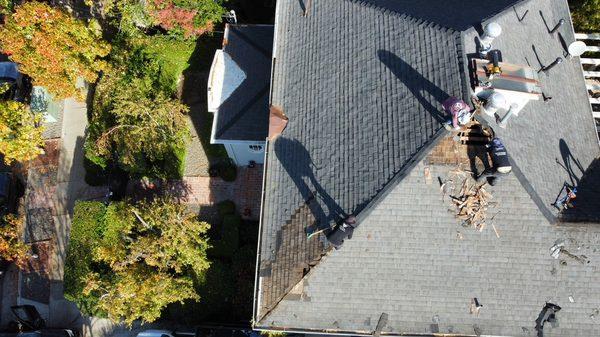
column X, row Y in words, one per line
column 586, row 15
column 226, row 207
column 12, row 249
column 53, row 48
column 20, row 134
column 187, row 18
column 86, row 229
column 230, row 239
column 180, row 18
column 227, row 170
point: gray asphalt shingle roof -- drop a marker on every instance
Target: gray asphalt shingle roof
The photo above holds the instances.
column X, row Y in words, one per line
column 362, row 83
column 362, row 90
column 244, row 114
column 553, row 142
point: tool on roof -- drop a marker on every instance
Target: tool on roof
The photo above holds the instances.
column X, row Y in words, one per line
column 493, row 68
column 504, row 120
column 566, row 195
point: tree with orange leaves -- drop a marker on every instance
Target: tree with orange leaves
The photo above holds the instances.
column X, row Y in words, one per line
column 53, row 48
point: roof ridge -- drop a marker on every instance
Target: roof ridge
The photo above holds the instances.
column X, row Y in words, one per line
column 376, row 200
column 413, row 19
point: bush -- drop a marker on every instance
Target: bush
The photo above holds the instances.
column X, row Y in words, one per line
column 586, row 15
column 226, row 170
column 180, row 18
column 226, row 207
column 186, row 18
column 12, row 249
column 20, row 136
column 86, row 229
column 53, row 48
column 173, row 55
column 230, row 239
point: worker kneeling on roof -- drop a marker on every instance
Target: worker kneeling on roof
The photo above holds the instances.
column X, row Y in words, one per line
column 500, row 162
column 459, row 111
column 342, row 232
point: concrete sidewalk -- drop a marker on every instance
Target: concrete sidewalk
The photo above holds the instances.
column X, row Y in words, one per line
column 53, row 192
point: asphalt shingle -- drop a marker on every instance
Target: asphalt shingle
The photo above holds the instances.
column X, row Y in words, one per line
column 362, row 100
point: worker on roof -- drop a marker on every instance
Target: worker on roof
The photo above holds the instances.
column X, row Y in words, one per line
column 459, row 111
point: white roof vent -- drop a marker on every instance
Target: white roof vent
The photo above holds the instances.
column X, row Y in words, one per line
column 491, row 31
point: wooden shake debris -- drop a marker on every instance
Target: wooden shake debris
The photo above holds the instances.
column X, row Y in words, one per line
column 471, row 200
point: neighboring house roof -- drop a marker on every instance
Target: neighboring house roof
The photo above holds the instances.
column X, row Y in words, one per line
column 243, row 90
column 361, row 83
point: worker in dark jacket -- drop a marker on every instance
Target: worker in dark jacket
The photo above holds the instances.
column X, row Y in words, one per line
column 342, row 231
column 500, row 162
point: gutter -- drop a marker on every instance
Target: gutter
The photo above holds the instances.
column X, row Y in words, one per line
column 362, row 333
column 256, row 299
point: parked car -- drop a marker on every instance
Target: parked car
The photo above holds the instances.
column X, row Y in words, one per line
column 29, row 323
column 155, row 333
column 19, row 86
column 204, row 331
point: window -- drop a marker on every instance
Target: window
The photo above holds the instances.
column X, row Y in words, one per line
column 255, row 148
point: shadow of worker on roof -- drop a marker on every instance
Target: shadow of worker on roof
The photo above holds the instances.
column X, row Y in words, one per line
column 297, row 162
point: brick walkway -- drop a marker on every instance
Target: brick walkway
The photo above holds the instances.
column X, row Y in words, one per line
column 245, row 191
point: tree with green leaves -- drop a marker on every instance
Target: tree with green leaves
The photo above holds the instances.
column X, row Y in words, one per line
column 20, row 132
column 53, row 48
column 129, row 261
column 136, row 123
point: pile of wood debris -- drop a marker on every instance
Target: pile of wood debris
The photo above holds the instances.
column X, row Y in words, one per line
column 470, row 198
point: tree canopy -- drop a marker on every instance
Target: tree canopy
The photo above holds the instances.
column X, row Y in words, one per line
column 180, row 18
column 20, row 135
column 129, row 261
column 135, row 121
column 12, row 249
column 586, row 15
column 53, row 48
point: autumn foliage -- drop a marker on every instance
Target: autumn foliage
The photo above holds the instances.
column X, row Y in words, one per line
column 12, row 249
column 129, row 261
column 52, row 47
column 187, row 18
